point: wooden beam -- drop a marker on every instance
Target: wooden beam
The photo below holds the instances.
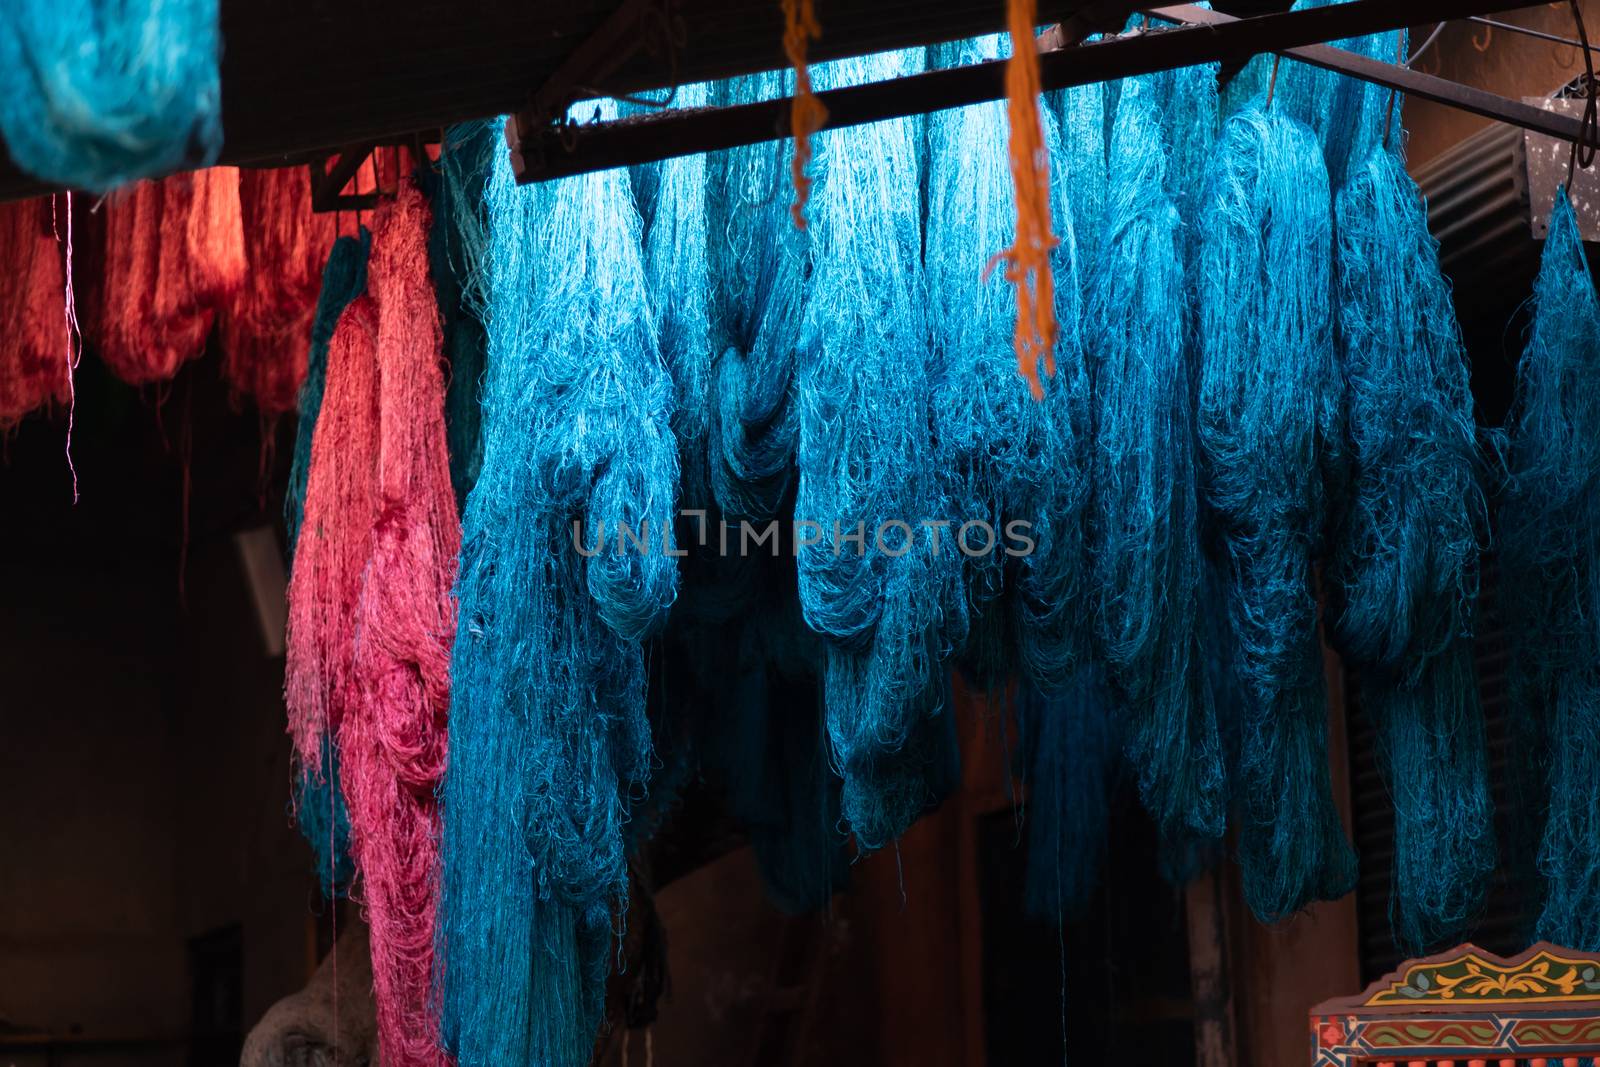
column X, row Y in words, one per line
column 1203, row 37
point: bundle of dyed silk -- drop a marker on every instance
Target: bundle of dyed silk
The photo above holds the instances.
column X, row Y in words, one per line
column 36, row 357
column 173, row 259
column 267, row 331
column 1404, row 573
column 96, row 93
column 1550, row 552
column 392, row 736
column 549, row 741
column 1146, row 565
column 1271, row 439
column 760, row 273
column 455, row 248
column 340, row 509
column 344, row 279
column 1351, row 118
column 677, row 271
column 865, row 439
column 988, row 429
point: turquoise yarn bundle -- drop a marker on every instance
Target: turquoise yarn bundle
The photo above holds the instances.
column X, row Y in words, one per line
column 98, row 93
column 549, row 740
column 1146, row 564
column 1403, row 578
column 673, row 200
column 865, row 439
column 760, row 286
column 455, row 249
column 1550, row 554
column 1270, row 431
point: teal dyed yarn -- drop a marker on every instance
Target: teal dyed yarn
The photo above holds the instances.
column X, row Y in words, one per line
column 1144, row 508
column 1550, row 552
column 1350, row 117
column 549, row 739
column 1271, row 438
column 865, row 438
column 760, row 284
column 324, row 822
column 987, row 427
column 678, row 279
column 1050, row 632
column 343, row 279
column 1434, row 757
column 455, row 248
column 98, row 93
column 1404, row 569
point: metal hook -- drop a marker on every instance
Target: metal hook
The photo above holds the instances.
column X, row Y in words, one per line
column 1583, row 150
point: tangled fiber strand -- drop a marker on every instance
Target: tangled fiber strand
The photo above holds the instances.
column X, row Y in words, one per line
column 335, row 541
column 1069, row 756
column 267, row 331
column 455, row 249
column 1404, row 572
column 807, row 114
column 1028, row 266
column 1144, row 509
column 98, row 93
column 392, row 738
column 865, row 435
column 1434, row 757
column 1406, row 567
column 678, row 279
column 759, row 267
column 1270, row 433
column 1550, row 553
column 36, row 358
column 344, row 279
column 549, row 740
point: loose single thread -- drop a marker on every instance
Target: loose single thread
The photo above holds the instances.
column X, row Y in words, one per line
column 74, row 335
column 1028, row 260
column 807, row 114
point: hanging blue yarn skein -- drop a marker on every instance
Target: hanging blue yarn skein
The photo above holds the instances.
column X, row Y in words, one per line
column 1144, row 510
column 1349, row 116
column 678, row 274
column 549, row 739
column 1270, row 439
column 455, row 249
column 760, row 285
column 98, row 93
column 865, row 438
column 1550, row 553
column 1405, row 573
column 318, row 799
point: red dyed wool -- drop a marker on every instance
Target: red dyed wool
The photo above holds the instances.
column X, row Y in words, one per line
column 335, row 538
column 161, row 293
column 215, row 236
column 392, row 740
column 267, row 331
column 34, row 352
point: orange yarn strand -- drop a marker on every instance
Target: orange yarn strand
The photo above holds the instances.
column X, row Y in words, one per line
column 808, row 114
column 1028, row 260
